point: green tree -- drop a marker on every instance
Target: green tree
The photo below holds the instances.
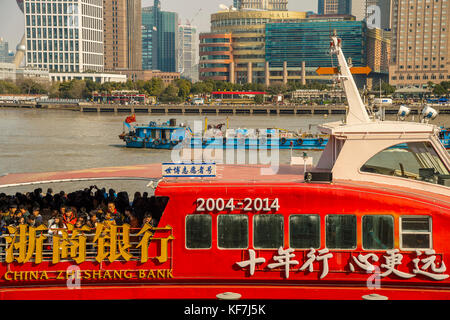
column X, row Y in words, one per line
column 74, row 89
column 386, row 88
column 184, row 88
column 29, row 86
column 157, row 87
column 439, row 90
column 445, row 85
column 8, row 87
column 259, row 98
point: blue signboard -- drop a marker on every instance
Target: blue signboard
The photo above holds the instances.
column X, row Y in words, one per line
column 188, row 170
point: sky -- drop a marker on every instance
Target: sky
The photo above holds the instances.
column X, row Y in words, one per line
column 12, row 21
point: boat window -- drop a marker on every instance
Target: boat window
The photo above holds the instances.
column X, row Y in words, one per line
column 166, row 134
column 304, row 231
column 340, row 231
column 415, row 232
column 232, row 231
column 378, row 232
column 198, row 231
column 413, row 160
column 268, row 231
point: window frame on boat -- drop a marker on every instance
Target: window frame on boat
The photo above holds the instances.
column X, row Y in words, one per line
column 402, row 232
column 328, row 216
column 186, row 233
column 318, row 236
column 257, row 216
column 219, row 216
column 434, row 159
column 363, row 218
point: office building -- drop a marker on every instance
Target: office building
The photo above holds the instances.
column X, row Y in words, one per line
column 376, row 13
column 64, row 36
column 6, row 56
column 246, row 29
column 420, row 50
column 216, row 58
column 160, row 42
column 148, row 34
column 333, row 7
column 122, row 34
column 188, row 52
column 294, row 51
column 276, row 5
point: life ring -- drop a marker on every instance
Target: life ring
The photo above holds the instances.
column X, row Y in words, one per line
column 320, row 140
column 133, row 138
column 156, row 142
column 164, row 141
column 283, row 140
column 299, row 141
column 173, row 142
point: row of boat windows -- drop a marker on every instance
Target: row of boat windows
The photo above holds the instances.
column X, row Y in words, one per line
column 305, row 230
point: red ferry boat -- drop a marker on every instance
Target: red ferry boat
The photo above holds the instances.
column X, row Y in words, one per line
column 369, row 221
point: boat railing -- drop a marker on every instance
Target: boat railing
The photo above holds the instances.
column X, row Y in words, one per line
column 73, row 238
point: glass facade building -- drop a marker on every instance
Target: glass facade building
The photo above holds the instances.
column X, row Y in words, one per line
column 148, row 33
column 4, row 51
column 159, row 39
column 309, row 41
column 168, row 41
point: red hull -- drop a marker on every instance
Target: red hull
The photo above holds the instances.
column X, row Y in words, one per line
column 204, row 273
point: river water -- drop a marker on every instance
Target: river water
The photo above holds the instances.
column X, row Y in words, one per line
column 34, row 140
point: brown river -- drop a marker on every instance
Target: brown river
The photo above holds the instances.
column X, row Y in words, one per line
column 34, row 140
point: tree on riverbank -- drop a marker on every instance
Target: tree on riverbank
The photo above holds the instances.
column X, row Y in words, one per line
column 176, row 92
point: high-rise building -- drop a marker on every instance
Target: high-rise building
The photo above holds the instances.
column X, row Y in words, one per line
column 149, row 32
column 123, row 39
column 277, row 5
column 247, row 30
column 420, row 49
column 4, row 51
column 188, row 51
column 64, row 36
column 325, row 7
column 378, row 13
column 160, row 42
column 307, row 41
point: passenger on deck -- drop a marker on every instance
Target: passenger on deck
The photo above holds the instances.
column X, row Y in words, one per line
column 93, row 220
column 9, row 216
column 79, row 223
column 130, row 218
column 148, row 219
column 37, row 216
column 114, row 213
column 31, row 221
column 24, row 211
column 56, row 228
column 109, row 220
column 69, row 216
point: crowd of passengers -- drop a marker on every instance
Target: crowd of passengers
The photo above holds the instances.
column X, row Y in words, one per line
column 86, row 207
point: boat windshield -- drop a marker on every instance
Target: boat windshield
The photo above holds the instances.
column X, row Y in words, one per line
column 413, row 160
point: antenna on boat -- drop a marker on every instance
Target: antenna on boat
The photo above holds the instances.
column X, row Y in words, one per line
column 357, row 112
